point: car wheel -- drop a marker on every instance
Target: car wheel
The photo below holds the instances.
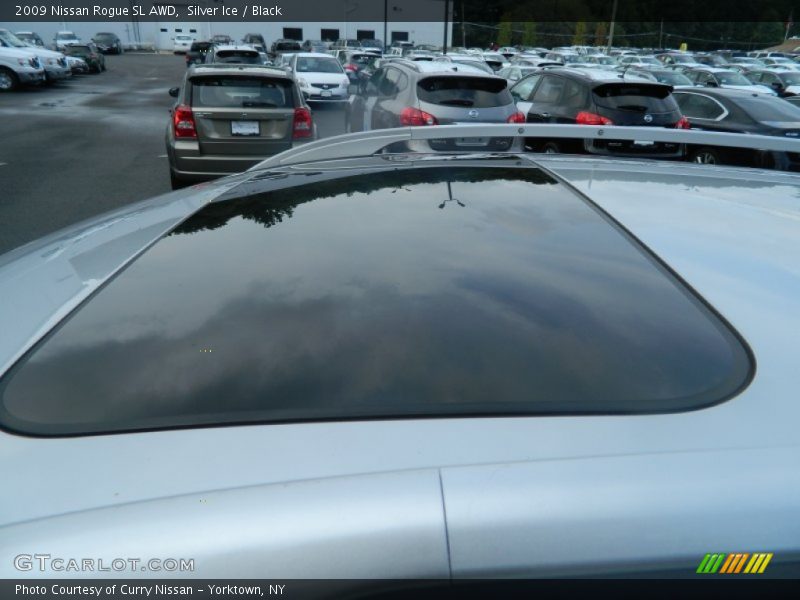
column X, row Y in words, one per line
column 8, row 80
column 706, row 156
column 551, row 148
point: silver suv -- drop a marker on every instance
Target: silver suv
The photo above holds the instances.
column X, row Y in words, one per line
column 227, row 118
column 417, row 93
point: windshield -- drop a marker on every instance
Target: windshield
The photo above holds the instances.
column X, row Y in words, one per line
column 732, row 78
column 671, row 77
column 238, row 56
column 318, row 65
column 66, row 36
column 678, row 58
column 12, row 40
column 790, row 78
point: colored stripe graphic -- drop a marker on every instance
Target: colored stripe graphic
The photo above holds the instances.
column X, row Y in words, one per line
column 711, row 563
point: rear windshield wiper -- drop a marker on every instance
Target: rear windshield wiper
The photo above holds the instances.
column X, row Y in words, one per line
column 456, row 102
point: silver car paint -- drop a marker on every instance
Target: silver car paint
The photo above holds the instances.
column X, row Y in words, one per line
column 521, row 495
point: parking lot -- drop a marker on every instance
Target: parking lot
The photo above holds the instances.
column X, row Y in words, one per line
column 92, row 144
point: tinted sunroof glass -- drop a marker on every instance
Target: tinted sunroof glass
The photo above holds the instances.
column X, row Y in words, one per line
column 405, row 293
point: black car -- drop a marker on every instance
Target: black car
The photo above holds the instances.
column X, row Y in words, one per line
column 785, row 83
column 108, row 43
column 256, row 40
column 736, row 111
column 589, row 97
column 90, row 53
column 197, row 53
column 283, row 46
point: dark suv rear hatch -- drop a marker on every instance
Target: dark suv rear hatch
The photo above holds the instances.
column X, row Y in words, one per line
column 637, row 104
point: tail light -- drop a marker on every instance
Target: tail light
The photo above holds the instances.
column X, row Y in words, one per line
column 517, row 117
column 590, row 118
column 183, row 122
column 350, row 67
column 303, row 126
column 683, row 123
column 414, row 117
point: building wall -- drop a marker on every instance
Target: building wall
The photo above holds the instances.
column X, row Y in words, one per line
column 151, row 32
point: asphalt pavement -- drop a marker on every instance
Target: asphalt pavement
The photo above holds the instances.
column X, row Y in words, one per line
column 92, row 144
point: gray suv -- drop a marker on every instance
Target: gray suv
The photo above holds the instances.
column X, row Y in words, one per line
column 406, row 93
column 227, row 118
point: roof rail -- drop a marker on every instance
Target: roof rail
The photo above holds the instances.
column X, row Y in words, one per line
column 369, row 143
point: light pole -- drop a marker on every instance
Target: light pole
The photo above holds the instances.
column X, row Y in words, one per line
column 611, row 29
column 446, row 16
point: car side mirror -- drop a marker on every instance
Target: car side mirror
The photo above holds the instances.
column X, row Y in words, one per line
column 174, row 91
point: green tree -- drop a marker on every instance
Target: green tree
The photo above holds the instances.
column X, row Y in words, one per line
column 529, row 34
column 580, row 34
column 504, row 34
column 600, row 33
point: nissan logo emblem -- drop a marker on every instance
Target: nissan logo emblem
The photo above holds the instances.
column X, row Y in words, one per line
column 648, row 118
column 473, row 113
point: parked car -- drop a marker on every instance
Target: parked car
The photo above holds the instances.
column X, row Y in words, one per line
column 495, row 60
column 314, row 46
column 784, row 83
column 353, row 61
column 256, row 40
column 403, row 93
column 712, row 60
column 227, row 118
column 642, row 62
column 455, row 367
column 372, row 45
column 514, row 73
column 108, row 43
column 89, row 53
column 54, row 63
column 284, row 47
column 77, row 65
column 221, row 39
column 19, row 67
column 467, row 60
column 595, row 97
column 31, row 38
column 346, row 44
column 182, row 43
column 779, row 61
column 669, row 76
column 747, row 61
column 242, row 55
column 737, row 111
column 320, row 77
column 197, row 53
column 602, row 61
column 65, row 38
column 725, row 78
column 678, row 60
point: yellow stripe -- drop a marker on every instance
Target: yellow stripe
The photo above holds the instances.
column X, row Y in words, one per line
column 728, row 561
column 741, row 563
column 753, row 563
column 765, row 563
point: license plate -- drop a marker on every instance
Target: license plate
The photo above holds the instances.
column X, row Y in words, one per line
column 326, row 94
column 472, row 141
column 245, row 128
column 643, row 143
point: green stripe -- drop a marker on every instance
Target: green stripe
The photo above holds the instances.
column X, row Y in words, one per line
column 701, row 568
column 718, row 564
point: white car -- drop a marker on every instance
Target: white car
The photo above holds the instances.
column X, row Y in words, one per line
column 182, row 44
column 65, row 38
column 54, row 63
column 19, row 67
column 350, row 364
column 320, row 77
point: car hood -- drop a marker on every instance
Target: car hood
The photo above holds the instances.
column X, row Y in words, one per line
column 793, row 89
column 761, row 89
column 17, row 52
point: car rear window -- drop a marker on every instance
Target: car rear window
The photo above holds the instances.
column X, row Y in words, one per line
column 473, row 92
column 241, row 92
column 635, row 97
column 250, row 57
column 444, row 291
column 768, row 108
